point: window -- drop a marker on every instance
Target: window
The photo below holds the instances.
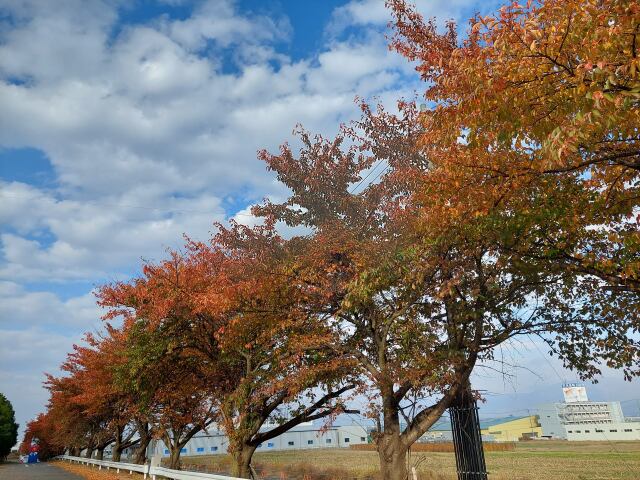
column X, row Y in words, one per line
column 309, row 442
column 328, row 440
column 599, row 431
column 200, row 449
column 346, row 439
column 270, row 445
column 587, row 431
column 166, row 451
column 363, row 439
column 291, row 443
column 569, row 431
column 628, row 430
column 578, row 431
column 613, row 430
column 183, row 450
column 214, row 449
column 259, row 445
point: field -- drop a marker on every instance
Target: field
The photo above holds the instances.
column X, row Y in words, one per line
column 548, row 460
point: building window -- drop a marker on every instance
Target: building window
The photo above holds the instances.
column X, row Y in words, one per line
column 569, row 431
column 259, row 445
column 362, row 439
column 291, row 443
column 309, row 442
column 599, row 431
column 578, row 431
column 183, row 450
column 200, row 449
column 328, row 440
column 270, row 445
column 214, row 449
column 628, row 430
column 166, row 452
column 613, row 430
column 587, row 431
column 346, row 439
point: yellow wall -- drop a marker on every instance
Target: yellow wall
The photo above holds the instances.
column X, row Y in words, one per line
column 513, row 430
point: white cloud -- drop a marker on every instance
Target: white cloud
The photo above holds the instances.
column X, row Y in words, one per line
column 373, row 12
column 25, row 310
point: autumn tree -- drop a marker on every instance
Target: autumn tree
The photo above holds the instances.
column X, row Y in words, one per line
column 417, row 297
column 170, row 398
column 545, row 88
column 43, row 429
column 227, row 308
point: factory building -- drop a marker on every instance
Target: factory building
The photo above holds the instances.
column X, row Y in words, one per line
column 513, row 430
column 578, row 418
column 505, row 429
column 304, row 436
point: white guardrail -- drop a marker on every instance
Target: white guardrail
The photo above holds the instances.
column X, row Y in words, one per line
column 146, row 470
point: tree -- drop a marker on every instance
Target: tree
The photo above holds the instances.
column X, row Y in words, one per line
column 417, row 298
column 548, row 88
column 228, row 310
column 44, row 430
column 8, row 427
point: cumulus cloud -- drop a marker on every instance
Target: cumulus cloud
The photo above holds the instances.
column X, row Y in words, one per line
column 24, row 309
column 374, row 13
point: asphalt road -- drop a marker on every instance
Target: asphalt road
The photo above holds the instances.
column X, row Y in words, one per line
column 35, row 471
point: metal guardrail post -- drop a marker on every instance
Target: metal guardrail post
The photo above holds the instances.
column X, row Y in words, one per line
column 467, row 438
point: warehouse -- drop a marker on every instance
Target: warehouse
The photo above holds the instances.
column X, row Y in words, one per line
column 304, row 436
column 512, row 429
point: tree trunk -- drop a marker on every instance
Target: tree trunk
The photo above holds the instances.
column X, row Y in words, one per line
column 140, row 453
column 391, row 450
column 100, row 453
column 89, row 452
column 242, row 458
column 116, row 453
column 174, row 457
column 393, row 461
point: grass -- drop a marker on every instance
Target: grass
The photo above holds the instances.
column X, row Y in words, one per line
column 92, row 473
column 547, row 460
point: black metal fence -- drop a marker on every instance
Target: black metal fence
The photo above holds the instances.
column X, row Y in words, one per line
column 467, row 439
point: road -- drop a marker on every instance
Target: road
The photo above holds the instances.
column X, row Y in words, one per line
column 36, row 471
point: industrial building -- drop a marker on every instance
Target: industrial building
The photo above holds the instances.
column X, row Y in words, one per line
column 512, row 430
column 505, row 429
column 304, row 436
column 577, row 418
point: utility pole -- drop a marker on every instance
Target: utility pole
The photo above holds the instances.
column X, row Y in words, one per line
column 467, row 439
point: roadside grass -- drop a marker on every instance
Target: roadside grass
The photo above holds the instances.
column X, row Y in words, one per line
column 548, row 460
column 93, row 473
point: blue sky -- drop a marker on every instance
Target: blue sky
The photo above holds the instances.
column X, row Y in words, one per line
column 125, row 124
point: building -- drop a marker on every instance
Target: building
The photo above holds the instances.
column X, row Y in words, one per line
column 577, row 418
column 304, row 436
column 512, row 429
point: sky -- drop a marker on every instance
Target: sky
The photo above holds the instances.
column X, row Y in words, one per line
column 124, row 125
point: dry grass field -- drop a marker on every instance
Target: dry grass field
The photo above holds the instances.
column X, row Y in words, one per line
column 543, row 460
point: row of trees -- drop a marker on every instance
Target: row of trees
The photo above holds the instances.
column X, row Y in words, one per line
column 507, row 208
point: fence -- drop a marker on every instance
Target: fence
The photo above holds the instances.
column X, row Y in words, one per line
column 147, row 470
column 444, row 447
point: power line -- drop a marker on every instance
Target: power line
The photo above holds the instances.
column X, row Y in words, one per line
column 546, row 359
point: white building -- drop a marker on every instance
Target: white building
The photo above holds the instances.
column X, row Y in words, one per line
column 303, row 436
column 577, row 418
